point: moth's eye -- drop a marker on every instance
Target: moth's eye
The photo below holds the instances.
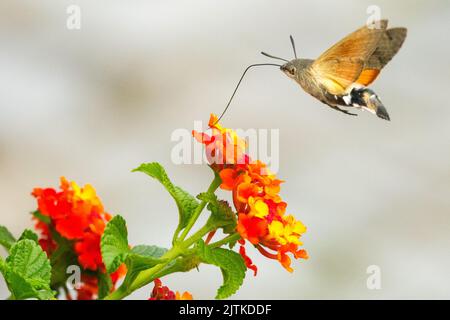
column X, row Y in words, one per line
column 292, row 71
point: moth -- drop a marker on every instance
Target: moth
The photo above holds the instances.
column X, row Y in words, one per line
column 341, row 75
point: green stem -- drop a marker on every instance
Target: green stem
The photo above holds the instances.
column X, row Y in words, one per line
column 231, row 238
column 175, row 235
column 145, row 276
column 148, row 275
column 212, row 188
column 198, row 235
column 118, row 294
column 183, row 264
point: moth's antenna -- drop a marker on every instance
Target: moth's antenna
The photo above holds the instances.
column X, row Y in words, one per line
column 273, row 57
column 240, row 80
column 293, row 46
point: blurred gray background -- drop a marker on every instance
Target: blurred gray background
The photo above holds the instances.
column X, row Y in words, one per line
column 92, row 104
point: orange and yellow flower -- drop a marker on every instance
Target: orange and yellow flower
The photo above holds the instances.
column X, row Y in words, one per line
column 76, row 214
column 261, row 212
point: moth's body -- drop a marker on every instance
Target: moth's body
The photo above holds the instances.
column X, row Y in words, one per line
column 340, row 77
column 356, row 95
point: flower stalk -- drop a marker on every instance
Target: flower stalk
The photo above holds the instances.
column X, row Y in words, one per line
column 212, row 188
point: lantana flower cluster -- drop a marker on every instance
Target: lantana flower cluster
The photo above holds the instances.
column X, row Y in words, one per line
column 76, row 214
column 262, row 218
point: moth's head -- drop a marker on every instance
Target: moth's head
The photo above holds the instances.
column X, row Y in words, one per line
column 289, row 69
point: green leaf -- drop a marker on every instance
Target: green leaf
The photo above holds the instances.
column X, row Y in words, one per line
column 150, row 252
column 230, row 263
column 143, row 257
column 6, row 238
column 30, row 235
column 140, row 258
column 38, row 215
column 104, row 284
column 114, row 244
column 27, row 271
column 222, row 216
column 186, row 203
column 28, row 259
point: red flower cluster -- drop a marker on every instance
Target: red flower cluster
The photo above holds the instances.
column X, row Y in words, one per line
column 161, row 292
column 261, row 211
column 76, row 214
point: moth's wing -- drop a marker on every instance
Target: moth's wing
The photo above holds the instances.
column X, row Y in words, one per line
column 341, row 65
column 390, row 43
column 367, row 76
column 338, row 74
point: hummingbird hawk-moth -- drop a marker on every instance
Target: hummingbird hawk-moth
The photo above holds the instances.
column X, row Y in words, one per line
column 341, row 75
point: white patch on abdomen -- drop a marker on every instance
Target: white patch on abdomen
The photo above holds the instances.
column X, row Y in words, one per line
column 347, row 99
column 370, row 110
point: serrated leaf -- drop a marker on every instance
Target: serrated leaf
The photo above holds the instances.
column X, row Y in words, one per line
column 186, row 203
column 28, row 260
column 230, row 263
column 222, row 216
column 27, row 271
column 114, row 244
column 30, row 235
column 6, row 238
